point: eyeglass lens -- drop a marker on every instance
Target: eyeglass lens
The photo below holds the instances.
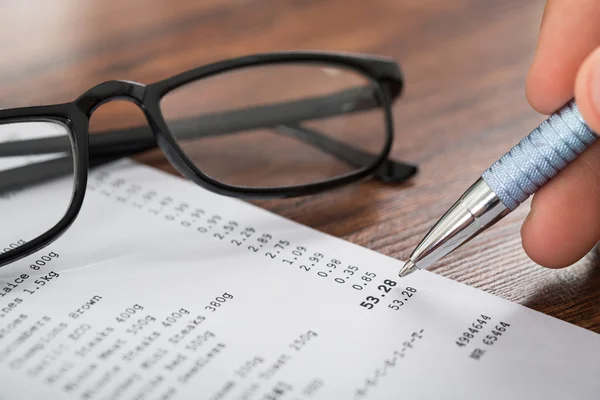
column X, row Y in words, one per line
column 278, row 125
column 29, row 179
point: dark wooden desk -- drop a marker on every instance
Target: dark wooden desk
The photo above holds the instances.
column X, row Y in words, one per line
column 465, row 63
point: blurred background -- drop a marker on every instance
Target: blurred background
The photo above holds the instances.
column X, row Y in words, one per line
column 465, row 63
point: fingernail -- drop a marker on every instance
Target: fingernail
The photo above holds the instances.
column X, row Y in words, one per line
column 525, row 221
column 529, row 216
column 594, row 82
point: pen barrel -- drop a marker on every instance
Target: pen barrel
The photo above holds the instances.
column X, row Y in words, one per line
column 539, row 156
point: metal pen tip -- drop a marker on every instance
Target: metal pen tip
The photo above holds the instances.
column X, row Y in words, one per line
column 408, row 269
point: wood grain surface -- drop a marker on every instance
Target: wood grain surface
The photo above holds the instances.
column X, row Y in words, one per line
column 465, row 63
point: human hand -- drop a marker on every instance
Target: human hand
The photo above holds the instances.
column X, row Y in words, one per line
column 564, row 222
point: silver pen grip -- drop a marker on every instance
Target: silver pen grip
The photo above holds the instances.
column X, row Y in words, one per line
column 539, row 156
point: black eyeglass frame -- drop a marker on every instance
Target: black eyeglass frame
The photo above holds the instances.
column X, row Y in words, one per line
column 384, row 73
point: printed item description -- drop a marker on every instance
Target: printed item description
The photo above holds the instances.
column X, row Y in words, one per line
column 161, row 290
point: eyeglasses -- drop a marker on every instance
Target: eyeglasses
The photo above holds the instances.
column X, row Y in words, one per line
column 262, row 126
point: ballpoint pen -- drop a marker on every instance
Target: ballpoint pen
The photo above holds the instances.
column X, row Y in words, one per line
column 518, row 174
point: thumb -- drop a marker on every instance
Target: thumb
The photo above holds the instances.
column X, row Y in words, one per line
column 564, row 222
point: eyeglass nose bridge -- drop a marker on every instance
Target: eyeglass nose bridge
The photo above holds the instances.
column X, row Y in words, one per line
column 108, row 91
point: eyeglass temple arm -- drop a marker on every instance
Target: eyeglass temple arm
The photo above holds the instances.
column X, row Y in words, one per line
column 389, row 171
column 17, row 178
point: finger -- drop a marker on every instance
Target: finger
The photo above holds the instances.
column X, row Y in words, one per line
column 587, row 90
column 569, row 33
column 564, row 222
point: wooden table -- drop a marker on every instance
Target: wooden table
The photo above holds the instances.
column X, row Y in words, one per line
column 465, row 63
